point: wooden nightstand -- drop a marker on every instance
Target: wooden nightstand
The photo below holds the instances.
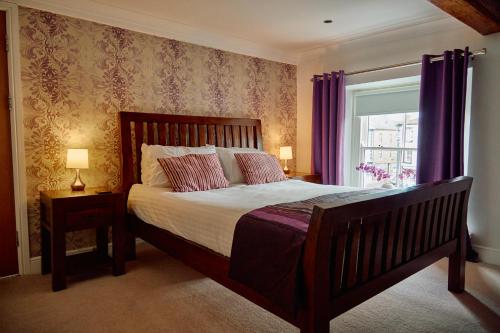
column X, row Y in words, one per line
column 63, row 211
column 307, row 177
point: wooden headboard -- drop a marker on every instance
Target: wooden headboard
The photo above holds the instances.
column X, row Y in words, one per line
column 175, row 130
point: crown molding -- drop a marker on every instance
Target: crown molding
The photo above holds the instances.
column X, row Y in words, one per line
column 410, row 29
column 126, row 19
column 374, row 30
column 140, row 22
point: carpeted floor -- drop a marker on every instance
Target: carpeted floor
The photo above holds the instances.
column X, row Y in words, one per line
column 160, row 294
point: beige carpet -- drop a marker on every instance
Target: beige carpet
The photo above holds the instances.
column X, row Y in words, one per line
column 160, row 294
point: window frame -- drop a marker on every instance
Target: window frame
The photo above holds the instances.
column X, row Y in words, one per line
column 352, row 176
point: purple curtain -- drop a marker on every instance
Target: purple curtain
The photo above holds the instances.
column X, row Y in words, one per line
column 443, row 89
column 442, row 112
column 328, row 126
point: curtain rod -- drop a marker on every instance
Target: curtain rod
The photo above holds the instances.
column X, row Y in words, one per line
column 405, row 64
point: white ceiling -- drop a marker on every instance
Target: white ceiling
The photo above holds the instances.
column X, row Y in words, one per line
column 279, row 30
column 287, row 25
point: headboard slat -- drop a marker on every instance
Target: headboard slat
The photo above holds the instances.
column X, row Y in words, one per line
column 192, row 135
column 228, row 135
column 183, row 134
column 151, row 133
column 173, row 135
column 251, row 140
column 162, row 135
column 244, row 142
column 174, row 130
column 211, row 134
column 202, row 135
column 220, row 135
column 236, row 136
column 258, row 138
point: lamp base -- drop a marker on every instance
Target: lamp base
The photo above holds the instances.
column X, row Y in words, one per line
column 286, row 170
column 78, row 185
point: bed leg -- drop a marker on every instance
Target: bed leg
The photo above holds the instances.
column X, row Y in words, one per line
column 456, row 272
column 456, row 267
column 316, row 323
column 456, row 263
column 318, row 327
column 130, row 253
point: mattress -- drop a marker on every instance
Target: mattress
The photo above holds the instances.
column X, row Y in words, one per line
column 209, row 218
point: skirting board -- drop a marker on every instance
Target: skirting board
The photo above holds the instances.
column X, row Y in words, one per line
column 488, row 255
column 36, row 262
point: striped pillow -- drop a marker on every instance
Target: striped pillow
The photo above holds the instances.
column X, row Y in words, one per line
column 260, row 168
column 194, row 172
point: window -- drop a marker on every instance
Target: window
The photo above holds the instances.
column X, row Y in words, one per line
column 389, row 142
column 385, row 136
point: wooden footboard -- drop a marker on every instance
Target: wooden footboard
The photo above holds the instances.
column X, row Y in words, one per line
column 355, row 251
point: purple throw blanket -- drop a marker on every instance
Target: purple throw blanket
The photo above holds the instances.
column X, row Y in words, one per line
column 268, row 244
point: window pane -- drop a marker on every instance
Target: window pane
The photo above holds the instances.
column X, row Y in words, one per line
column 386, row 130
column 408, row 169
column 411, row 130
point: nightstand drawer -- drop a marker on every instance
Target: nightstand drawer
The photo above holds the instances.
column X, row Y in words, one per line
column 89, row 218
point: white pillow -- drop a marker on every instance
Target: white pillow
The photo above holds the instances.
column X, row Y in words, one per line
column 152, row 173
column 230, row 165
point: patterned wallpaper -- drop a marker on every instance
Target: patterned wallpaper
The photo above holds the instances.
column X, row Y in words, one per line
column 77, row 75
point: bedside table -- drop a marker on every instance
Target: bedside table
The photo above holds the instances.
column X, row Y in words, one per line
column 307, row 177
column 64, row 211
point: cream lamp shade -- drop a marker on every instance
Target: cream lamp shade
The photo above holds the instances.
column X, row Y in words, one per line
column 77, row 159
column 286, row 153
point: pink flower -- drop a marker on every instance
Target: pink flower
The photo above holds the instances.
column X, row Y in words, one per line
column 378, row 173
column 407, row 173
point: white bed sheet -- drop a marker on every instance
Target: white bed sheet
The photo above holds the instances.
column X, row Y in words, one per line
column 209, row 218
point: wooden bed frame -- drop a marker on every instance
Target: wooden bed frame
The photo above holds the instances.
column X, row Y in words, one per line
column 352, row 252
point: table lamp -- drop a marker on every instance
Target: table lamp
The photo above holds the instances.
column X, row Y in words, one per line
column 77, row 159
column 286, row 154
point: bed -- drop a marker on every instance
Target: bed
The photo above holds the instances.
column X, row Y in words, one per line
column 352, row 251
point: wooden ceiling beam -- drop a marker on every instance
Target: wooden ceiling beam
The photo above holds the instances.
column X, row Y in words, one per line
column 481, row 15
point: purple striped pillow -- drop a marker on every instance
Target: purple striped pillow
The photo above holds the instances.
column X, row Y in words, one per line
column 260, row 168
column 194, row 172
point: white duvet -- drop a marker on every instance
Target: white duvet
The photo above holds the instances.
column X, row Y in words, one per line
column 209, row 218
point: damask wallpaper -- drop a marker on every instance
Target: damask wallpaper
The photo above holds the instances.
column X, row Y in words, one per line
column 77, row 75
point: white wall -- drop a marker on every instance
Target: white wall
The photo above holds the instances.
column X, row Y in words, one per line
column 406, row 45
